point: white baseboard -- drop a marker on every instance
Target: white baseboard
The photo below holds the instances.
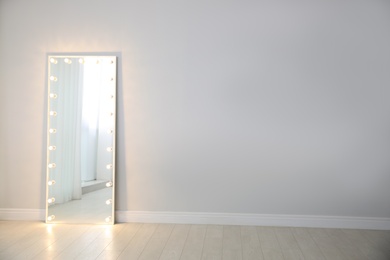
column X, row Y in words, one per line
column 253, row 219
column 22, row 214
column 221, row 219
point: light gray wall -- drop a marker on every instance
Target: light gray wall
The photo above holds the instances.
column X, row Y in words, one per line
column 276, row 107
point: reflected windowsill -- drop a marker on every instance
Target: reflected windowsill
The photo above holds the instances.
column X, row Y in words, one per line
column 90, row 186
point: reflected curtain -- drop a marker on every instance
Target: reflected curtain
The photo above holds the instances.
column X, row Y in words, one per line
column 68, row 136
column 90, row 123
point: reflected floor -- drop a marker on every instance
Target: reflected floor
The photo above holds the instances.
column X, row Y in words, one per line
column 92, row 208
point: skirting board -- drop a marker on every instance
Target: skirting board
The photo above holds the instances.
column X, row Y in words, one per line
column 22, row 214
column 221, row 219
column 253, row 219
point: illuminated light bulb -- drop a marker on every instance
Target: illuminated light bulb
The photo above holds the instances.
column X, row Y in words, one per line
column 52, row 95
column 109, row 166
column 110, row 131
column 52, row 130
column 52, row 60
column 51, row 200
column 51, row 182
column 50, row 218
column 51, row 165
column 53, row 113
column 52, row 78
column 108, row 202
column 109, row 149
column 81, row 61
column 52, row 147
column 68, row 61
column 108, row 219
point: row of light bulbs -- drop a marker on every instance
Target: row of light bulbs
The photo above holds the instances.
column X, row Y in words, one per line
column 53, row 131
column 81, row 61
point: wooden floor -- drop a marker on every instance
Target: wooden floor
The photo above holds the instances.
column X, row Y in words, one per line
column 35, row 240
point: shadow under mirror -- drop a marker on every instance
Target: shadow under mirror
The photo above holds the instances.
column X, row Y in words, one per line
column 81, row 139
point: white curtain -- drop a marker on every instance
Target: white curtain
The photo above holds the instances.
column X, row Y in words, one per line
column 90, row 123
column 77, row 124
column 68, row 137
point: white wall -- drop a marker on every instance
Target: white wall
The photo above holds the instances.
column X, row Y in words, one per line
column 232, row 106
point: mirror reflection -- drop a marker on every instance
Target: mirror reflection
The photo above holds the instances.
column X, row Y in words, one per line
column 81, row 139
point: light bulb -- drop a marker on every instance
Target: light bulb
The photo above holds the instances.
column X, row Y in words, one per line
column 109, row 149
column 108, row 202
column 81, row 60
column 51, row 200
column 52, row 147
column 51, row 182
column 52, row 95
column 53, row 113
column 109, row 184
column 52, row 78
column 108, row 219
column 50, row 218
column 66, row 60
column 51, row 165
column 109, row 166
column 52, row 130
column 110, row 131
column 52, row 60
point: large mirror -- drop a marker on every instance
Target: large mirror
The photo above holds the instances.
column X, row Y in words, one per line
column 81, row 139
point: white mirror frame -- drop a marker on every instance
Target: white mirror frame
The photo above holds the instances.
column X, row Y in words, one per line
column 107, row 73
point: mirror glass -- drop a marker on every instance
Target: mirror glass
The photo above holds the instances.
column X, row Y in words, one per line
column 81, row 139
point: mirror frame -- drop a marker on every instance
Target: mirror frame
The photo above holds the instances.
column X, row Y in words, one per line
column 113, row 60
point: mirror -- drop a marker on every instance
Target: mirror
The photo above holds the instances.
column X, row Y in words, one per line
column 81, row 139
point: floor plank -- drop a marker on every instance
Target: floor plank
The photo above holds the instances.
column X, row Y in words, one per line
column 232, row 247
column 379, row 239
column 251, row 248
column 328, row 246
column 350, row 250
column 120, row 242
column 137, row 244
column 157, row 242
column 213, row 241
column 62, row 241
column 269, row 243
column 176, row 241
column 309, row 248
column 369, row 250
column 288, row 243
column 81, row 243
column 194, row 245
